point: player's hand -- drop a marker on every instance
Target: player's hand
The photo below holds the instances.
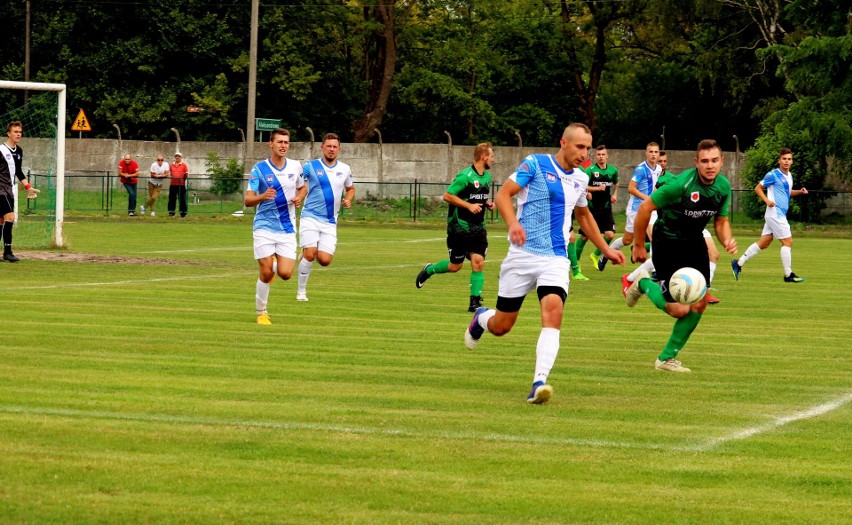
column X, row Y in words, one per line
column 613, row 199
column 517, row 234
column 804, row 191
column 489, row 205
column 346, row 203
column 269, row 194
column 615, row 256
column 474, row 208
column 771, row 204
column 640, row 254
column 731, row 245
column 32, row 193
column 296, row 201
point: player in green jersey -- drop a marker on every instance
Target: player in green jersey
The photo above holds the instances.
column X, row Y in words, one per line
column 466, row 236
column 603, row 193
column 685, row 205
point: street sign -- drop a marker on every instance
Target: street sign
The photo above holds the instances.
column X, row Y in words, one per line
column 81, row 123
column 266, row 124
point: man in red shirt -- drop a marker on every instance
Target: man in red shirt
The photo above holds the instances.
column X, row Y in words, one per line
column 177, row 189
column 128, row 173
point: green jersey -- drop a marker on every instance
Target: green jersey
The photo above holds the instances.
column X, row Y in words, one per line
column 685, row 205
column 664, row 177
column 606, row 177
column 472, row 187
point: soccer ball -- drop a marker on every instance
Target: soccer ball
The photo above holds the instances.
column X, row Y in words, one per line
column 687, row 286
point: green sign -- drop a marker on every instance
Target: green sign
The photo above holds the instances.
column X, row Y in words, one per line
column 266, row 124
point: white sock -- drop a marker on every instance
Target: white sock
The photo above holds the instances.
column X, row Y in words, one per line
column 484, row 317
column 787, row 260
column 617, row 244
column 712, row 271
column 753, row 250
column 261, row 296
column 648, row 266
column 545, row 353
column 304, row 272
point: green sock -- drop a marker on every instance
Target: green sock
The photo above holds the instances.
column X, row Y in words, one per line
column 683, row 328
column 477, row 280
column 438, row 267
column 572, row 256
column 581, row 243
column 608, row 242
column 647, row 246
column 654, row 293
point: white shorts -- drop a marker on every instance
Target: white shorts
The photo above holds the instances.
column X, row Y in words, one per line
column 778, row 227
column 317, row 234
column 267, row 243
column 631, row 216
column 523, row 272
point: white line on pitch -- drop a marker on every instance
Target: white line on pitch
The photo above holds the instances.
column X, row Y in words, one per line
column 777, row 423
column 324, row 427
column 123, row 282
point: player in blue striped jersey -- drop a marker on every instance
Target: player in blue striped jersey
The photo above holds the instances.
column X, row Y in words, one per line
column 778, row 186
column 276, row 187
column 548, row 188
column 329, row 186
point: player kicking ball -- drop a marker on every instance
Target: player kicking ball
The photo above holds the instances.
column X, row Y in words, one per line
column 684, row 209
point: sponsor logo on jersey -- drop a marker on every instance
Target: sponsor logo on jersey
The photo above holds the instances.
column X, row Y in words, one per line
column 320, row 173
column 476, row 184
column 694, row 196
column 699, row 214
column 269, row 179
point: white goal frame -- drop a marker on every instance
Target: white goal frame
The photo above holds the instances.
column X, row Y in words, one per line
column 60, row 146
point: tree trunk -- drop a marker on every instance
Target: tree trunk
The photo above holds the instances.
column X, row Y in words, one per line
column 381, row 75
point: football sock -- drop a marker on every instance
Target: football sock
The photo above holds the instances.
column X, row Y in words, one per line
column 7, row 236
column 648, row 266
column 304, row 273
column 654, row 293
column 787, row 260
column 615, row 245
column 484, row 317
column 579, row 245
column 712, row 271
column 477, row 280
column 683, row 328
column 545, row 353
column 752, row 250
column 261, row 296
column 572, row 256
column 438, row 267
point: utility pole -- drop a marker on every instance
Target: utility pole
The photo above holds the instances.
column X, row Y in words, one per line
column 252, row 86
column 27, row 41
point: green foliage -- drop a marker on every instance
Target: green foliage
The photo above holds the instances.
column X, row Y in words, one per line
column 227, row 178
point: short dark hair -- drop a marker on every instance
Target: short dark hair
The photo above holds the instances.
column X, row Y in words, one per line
column 279, row 131
column 662, row 153
column 330, row 136
column 14, row 124
column 708, row 144
column 600, row 147
column 785, row 151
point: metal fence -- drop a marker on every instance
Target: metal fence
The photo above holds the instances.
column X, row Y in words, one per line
column 88, row 192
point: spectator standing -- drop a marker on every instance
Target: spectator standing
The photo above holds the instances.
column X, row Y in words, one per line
column 159, row 171
column 128, row 173
column 179, row 172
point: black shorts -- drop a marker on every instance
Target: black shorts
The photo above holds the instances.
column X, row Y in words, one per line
column 672, row 255
column 7, row 204
column 461, row 246
column 605, row 220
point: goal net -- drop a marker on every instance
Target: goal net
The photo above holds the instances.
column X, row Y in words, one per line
column 40, row 108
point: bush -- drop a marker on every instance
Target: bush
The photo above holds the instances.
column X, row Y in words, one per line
column 227, row 179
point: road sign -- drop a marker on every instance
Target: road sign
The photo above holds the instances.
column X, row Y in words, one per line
column 81, row 123
column 266, row 124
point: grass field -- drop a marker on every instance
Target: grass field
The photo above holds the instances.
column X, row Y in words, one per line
column 136, row 388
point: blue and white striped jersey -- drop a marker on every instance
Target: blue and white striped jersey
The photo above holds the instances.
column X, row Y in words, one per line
column 278, row 215
column 325, row 189
column 778, row 186
column 545, row 203
column 646, row 179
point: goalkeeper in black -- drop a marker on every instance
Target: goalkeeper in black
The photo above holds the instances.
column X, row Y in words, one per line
column 10, row 168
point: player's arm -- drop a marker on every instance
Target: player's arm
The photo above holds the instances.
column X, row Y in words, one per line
column 762, row 194
column 590, row 228
column 253, row 199
column 458, row 202
column 614, row 197
column 796, row 193
column 300, row 195
column 633, row 189
column 503, row 201
column 640, row 225
column 723, row 232
column 347, row 198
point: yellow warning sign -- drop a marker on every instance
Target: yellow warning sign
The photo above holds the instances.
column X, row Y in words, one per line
column 81, row 123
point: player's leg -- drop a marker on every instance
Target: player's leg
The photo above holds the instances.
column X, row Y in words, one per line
column 457, row 252
column 713, row 253
column 309, row 235
column 576, row 272
column 264, row 253
column 477, row 276
column 580, row 245
column 285, row 255
column 625, row 240
column 7, row 209
column 761, row 244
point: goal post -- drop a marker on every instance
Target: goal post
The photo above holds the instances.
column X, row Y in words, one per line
column 58, row 147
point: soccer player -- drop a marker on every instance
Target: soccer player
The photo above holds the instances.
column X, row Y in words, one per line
column 327, row 179
column 276, row 187
column 467, row 196
column 685, row 207
column 603, row 188
column 10, row 168
column 648, row 266
column 779, row 183
column 640, row 187
column 548, row 189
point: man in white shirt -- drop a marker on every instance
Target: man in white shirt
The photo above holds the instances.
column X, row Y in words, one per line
column 159, row 171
